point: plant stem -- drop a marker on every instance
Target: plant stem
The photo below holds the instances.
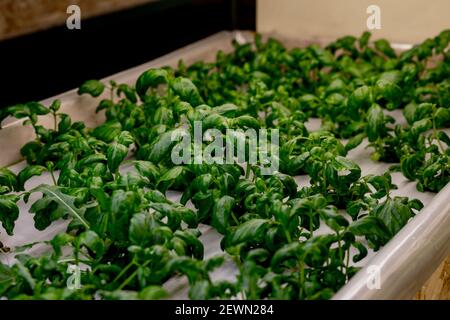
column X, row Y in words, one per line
column 124, row 270
column 247, row 170
column 131, row 277
column 340, row 249
column 53, row 177
column 437, row 138
column 54, row 121
column 288, row 236
column 234, row 218
column 347, row 262
column 302, row 280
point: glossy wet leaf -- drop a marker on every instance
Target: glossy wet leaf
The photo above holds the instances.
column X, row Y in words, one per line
column 27, row 173
column 9, row 212
column 92, row 87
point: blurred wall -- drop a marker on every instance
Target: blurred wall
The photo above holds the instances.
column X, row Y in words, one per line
column 41, row 64
column 404, row 21
column 19, row 17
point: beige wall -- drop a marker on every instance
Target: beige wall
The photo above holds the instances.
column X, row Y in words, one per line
column 404, row 21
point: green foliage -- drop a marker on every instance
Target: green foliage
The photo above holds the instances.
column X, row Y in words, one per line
column 131, row 238
column 92, row 87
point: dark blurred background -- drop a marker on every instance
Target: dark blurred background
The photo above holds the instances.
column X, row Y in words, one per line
column 40, row 57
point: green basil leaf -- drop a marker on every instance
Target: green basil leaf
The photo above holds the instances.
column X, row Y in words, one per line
column 92, row 241
column 221, row 213
column 150, row 79
column 384, row 47
column 127, row 91
column 38, row 109
column 187, row 91
column 360, row 99
column 245, row 122
column 444, row 137
column 125, row 138
column 389, row 91
column 8, row 179
column 409, row 165
column 8, row 279
column 9, row 212
column 115, row 154
column 27, row 173
column 141, row 226
column 409, row 112
column 394, row 214
column 93, row 87
column 289, row 251
column 107, row 131
column 19, row 111
column 64, row 201
column 442, row 117
column 250, row 230
column 355, row 141
column 55, row 106
column 375, row 123
column 170, row 177
column 161, row 147
column 362, row 251
column 190, row 237
column 153, row 293
column 421, row 126
column 332, row 219
column 147, row 169
column 369, row 225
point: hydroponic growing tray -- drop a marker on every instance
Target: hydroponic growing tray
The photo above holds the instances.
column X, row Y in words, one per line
column 403, row 264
